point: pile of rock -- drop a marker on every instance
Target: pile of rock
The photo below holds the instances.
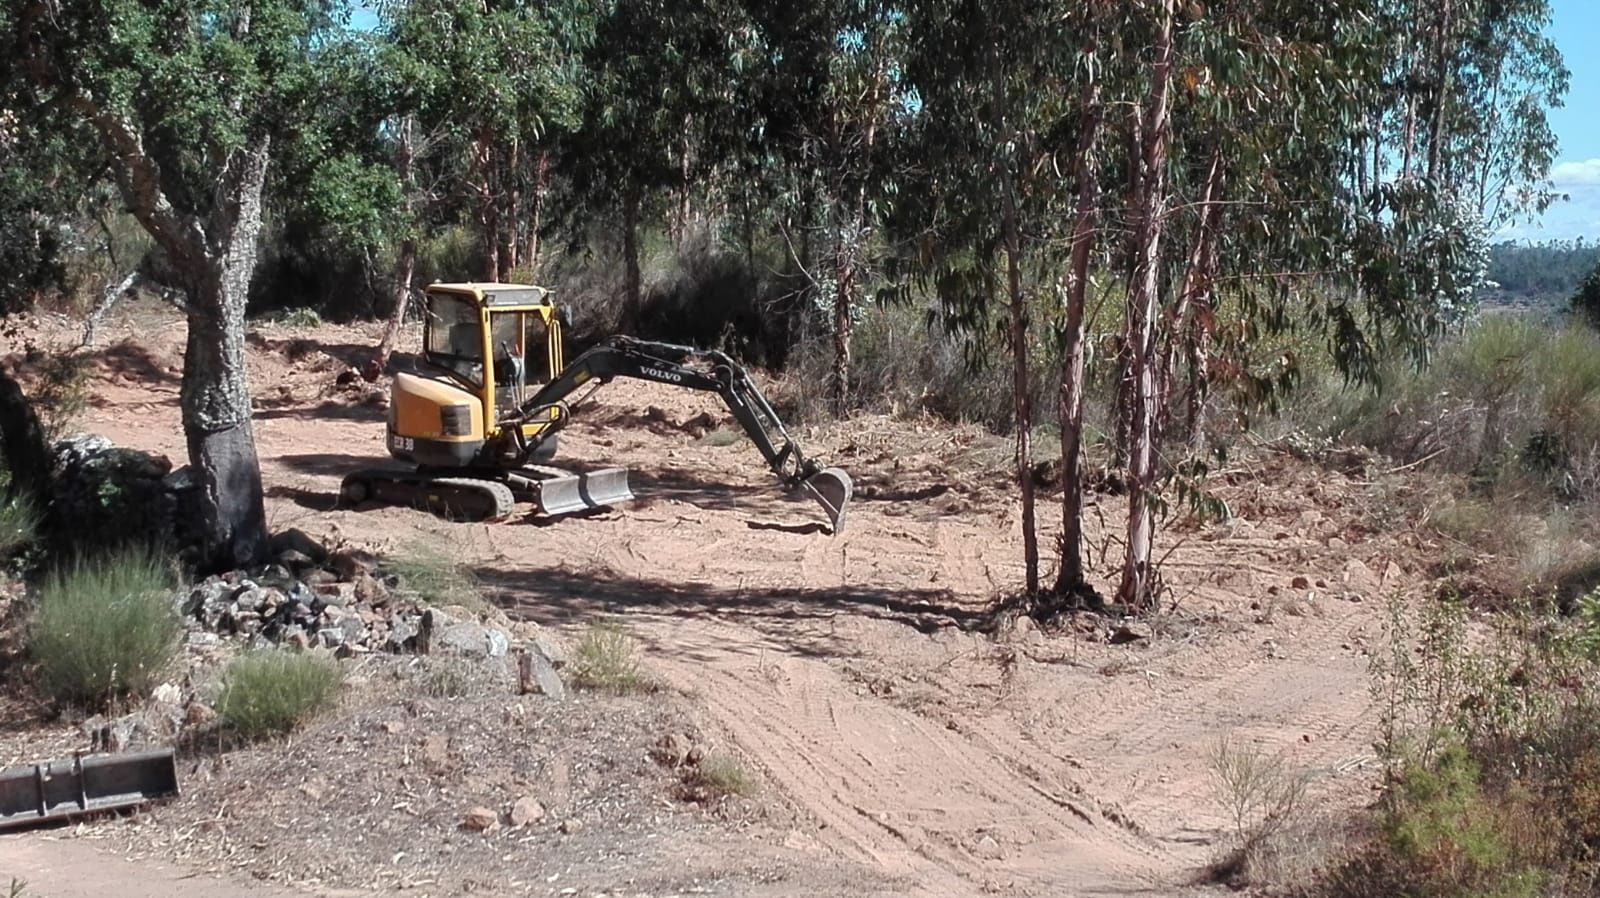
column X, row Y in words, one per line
column 309, row 597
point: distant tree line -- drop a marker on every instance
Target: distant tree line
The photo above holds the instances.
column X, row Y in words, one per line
column 1545, row 273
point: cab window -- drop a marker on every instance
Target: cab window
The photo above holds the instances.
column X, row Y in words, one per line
column 453, row 338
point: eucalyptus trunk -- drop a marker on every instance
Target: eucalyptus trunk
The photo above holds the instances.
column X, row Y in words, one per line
column 843, row 320
column 1192, row 294
column 541, row 184
column 1138, row 586
column 632, row 298
column 1021, row 387
column 405, row 263
column 405, row 266
column 1070, row 581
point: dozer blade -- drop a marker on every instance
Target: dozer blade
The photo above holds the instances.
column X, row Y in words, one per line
column 568, row 493
column 831, row 487
column 56, row 789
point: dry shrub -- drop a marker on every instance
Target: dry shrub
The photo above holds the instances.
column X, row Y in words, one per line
column 437, row 577
column 272, row 691
column 1491, row 744
column 1262, row 798
column 605, row 660
column 104, row 628
column 715, row 777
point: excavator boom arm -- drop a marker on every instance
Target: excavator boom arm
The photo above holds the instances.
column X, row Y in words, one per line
column 707, row 371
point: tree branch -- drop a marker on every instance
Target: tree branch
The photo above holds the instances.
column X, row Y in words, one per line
column 139, row 180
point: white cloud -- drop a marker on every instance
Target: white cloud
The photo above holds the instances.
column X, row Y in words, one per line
column 1576, row 174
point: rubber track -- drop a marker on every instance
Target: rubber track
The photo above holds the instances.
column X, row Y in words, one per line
column 486, row 500
column 496, row 492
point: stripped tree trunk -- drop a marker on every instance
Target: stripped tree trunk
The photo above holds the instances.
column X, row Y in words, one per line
column 1070, row 581
column 1138, row 587
column 405, row 266
column 632, row 288
column 541, row 179
column 215, row 394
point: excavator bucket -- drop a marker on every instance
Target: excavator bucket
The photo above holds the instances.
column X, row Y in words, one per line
column 831, row 487
column 579, row 492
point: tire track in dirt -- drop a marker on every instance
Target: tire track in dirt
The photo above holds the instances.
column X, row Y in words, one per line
column 1154, row 745
column 948, row 809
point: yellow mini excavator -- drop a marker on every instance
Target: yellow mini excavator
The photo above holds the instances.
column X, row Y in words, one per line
column 477, row 422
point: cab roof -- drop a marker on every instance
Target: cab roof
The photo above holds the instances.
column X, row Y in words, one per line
column 497, row 294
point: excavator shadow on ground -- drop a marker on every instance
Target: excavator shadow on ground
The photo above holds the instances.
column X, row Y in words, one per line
column 556, row 595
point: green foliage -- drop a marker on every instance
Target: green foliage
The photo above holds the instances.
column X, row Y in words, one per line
column 605, row 660
column 1585, row 301
column 1445, row 837
column 298, row 317
column 104, row 628
column 19, row 525
column 1490, row 757
column 1508, row 398
column 272, row 691
column 62, row 391
column 1539, row 273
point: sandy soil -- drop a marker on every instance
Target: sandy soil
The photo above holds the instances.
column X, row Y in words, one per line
column 911, row 754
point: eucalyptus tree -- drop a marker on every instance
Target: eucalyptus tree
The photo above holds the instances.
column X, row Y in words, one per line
column 478, row 93
column 1245, row 176
column 185, row 100
column 1006, row 140
column 657, row 113
column 1466, row 85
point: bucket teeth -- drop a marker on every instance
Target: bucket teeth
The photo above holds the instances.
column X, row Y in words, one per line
column 831, row 487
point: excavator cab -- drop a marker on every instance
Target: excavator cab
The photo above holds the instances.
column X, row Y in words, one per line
column 479, row 418
column 483, row 347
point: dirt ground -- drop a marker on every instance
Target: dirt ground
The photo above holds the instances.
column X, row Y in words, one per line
column 899, row 750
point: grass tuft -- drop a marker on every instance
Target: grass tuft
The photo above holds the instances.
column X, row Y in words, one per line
column 304, row 317
column 272, row 691
column 446, row 677
column 19, row 525
column 605, row 661
column 105, row 628
column 719, row 775
column 438, row 578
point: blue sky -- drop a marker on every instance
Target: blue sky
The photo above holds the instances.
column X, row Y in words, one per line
column 1577, row 124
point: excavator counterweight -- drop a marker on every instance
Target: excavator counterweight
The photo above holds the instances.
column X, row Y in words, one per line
column 478, row 422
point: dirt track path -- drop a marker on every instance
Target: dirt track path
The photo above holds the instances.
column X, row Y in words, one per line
column 62, row 868
column 845, row 668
